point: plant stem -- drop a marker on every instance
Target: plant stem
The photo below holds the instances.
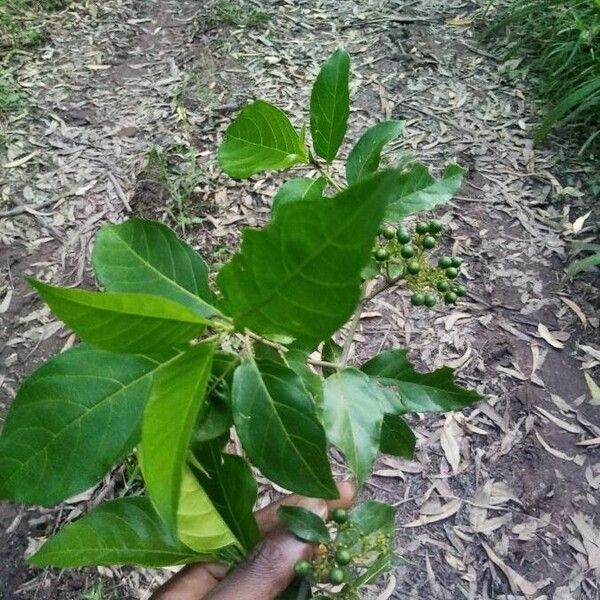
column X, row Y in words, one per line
column 324, row 363
column 325, row 173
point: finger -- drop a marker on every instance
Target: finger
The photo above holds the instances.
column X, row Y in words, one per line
column 193, row 582
column 268, row 570
column 267, row 517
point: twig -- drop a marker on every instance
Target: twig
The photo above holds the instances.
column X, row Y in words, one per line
column 26, row 208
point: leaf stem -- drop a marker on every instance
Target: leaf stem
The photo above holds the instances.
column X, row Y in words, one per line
column 326, row 173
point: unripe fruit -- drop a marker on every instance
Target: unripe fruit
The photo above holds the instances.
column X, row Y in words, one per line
column 421, row 228
column 430, row 300
column 302, row 567
column 337, row 576
column 402, row 235
column 388, row 233
column 413, row 267
column 450, row 297
column 456, row 261
column 343, row 557
column 407, row 251
column 451, row 273
column 428, row 242
column 445, row 262
column 461, row 290
column 435, row 227
column 381, row 254
column 417, row 299
column 339, row 515
column 443, row 286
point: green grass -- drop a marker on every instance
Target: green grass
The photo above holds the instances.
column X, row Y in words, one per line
column 238, row 14
column 10, row 99
column 560, row 43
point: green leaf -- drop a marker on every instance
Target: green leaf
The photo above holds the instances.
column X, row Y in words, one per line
column 177, row 394
column 277, row 425
column 137, row 323
column 397, row 437
column 365, row 156
column 199, row 524
column 298, row 189
column 215, row 417
column 229, row 483
column 71, row 421
column 583, row 264
column 353, row 414
column 296, row 360
column 419, row 392
column 141, row 256
column 331, row 352
column 330, row 105
column 418, row 191
column 365, row 519
column 127, row 531
column 261, row 138
column 304, row 524
column 300, row 275
column 299, row 589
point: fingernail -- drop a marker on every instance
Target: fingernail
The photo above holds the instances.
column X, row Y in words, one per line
column 315, row 505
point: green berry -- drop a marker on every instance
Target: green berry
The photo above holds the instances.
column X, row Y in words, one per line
column 388, row 232
column 445, row 262
column 428, row 242
column 451, row 272
column 421, row 228
column 381, row 254
column 443, row 286
column 339, row 515
column 337, row 576
column 456, row 261
column 343, row 557
column 413, row 267
column 407, row 251
column 402, row 235
column 430, row 300
column 417, row 299
column 461, row 290
column 302, row 567
column 435, row 227
column 450, row 297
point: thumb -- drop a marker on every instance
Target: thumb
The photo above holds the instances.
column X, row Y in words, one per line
column 269, row 569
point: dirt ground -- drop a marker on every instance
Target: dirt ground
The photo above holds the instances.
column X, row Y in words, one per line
column 501, row 501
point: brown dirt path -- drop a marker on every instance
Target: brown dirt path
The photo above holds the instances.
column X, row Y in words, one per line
column 500, row 501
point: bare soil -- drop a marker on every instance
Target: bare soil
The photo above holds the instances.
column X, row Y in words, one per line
column 500, row 502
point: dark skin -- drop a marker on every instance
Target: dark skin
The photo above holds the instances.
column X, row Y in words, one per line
column 269, row 568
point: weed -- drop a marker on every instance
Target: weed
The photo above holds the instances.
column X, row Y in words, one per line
column 560, row 39
column 237, row 13
column 178, row 172
column 96, row 593
column 10, row 99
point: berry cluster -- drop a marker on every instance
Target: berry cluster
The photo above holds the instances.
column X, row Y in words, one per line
column 402, row 255
column 335, row 562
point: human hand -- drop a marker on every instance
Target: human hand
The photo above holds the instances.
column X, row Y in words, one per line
column 269, row 568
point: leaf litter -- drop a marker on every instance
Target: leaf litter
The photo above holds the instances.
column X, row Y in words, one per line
column 501, row 501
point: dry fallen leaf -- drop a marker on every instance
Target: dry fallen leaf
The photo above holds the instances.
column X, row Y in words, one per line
column 445, row 512
column 576, row 309
column 546, row 335
column 594, row 390
column 450, row 441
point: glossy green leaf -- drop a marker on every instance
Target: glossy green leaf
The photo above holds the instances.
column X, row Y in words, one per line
column 277, row 425
column 419, row 392
column 298, row 189
column 261, row 138
column 313, row 383
column 352, row 415
column 417, row 191
column 368, row 518
column 331, row 352
column 199, row 524
column 71, row 421
column 397, row 437
column 140, row 256
column 304, row 524
column 330, row 105
column 300, row 275
column 127, row 531
column 583, row 264
column 215, row 417
column 365, row 156
column 137, row 323
column 177, row 394
column 229, row 483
